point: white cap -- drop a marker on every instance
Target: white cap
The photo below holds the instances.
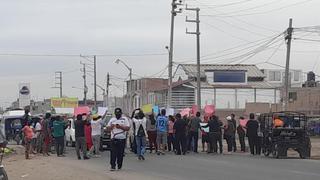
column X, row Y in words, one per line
column 228, row 118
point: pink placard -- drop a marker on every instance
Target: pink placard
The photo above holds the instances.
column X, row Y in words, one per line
column 81, row 110
column 209, row 110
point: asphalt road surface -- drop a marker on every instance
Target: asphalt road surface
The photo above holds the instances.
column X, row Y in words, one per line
column 204, row 166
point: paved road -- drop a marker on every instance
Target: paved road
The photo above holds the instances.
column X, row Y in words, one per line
column 203, row 166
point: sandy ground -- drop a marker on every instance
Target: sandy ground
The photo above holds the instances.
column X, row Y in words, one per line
column 54, row 168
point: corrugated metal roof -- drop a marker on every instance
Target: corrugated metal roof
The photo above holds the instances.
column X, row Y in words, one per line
column 249, row 85
column 252, row 70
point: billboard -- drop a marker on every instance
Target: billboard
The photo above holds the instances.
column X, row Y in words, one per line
column 24, row 95
column 64, row 102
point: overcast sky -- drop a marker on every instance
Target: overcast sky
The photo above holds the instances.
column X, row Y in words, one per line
column 123, row 28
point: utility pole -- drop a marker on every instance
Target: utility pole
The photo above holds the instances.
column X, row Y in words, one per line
column 95, row 81
column 58, row 76
column 85, row 87
column 107, row 90
column 197, row 33
column 287, row 73
column 174, row 12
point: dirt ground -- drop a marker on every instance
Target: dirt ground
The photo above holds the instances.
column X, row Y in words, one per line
column 53, row 168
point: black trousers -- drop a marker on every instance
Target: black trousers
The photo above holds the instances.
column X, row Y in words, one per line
column 59, row 145
column 254, row 143
column 117, row 152
column 215, row 138
column 242, row 143
column 234, row 143
column 229, row 140
column 193, row 136
column 171, row 142
column 181, row 143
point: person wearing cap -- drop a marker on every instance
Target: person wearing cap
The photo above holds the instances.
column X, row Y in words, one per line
column 96, row 126
column 118, row 126
column 229, row 133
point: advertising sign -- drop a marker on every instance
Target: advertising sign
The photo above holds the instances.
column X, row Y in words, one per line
column 64, row 102
column 24, row 95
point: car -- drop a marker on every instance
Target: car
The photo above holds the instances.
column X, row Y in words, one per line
column 105, row 140
column 70, row 134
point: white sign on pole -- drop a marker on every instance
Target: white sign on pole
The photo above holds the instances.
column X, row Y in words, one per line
column 24, row 95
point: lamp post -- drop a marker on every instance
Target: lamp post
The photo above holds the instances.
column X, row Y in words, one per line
column 130, row 82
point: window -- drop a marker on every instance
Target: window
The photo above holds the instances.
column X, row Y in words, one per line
column 229, row 76
column 293, row 96
column 274, row 76
column 296, row 75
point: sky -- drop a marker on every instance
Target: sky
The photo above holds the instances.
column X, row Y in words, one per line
column 39, row 37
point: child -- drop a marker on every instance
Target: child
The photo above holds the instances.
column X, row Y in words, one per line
column 28, row 135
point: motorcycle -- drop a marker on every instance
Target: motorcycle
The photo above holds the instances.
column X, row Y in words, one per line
column 17, row 136
column 3, row 174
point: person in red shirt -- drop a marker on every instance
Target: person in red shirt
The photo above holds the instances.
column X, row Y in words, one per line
column 28, row 134
column 171, row 141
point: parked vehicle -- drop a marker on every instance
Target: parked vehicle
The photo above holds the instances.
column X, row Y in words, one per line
column 3, row 144
column 13, row 125
column 70, row 134
column 292, row 134
column 105, row 141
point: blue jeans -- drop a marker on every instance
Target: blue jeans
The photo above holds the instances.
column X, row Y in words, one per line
column 141, row 145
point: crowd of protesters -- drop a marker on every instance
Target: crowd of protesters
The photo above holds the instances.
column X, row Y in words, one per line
column 174, row 133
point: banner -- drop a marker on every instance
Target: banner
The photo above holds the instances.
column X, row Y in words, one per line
column 102, row 111
column 147, row 108
column 64, row 102
column 209, row 110
column 185, row 111
column 81, row 110
column 194, row 109
column 155, row 110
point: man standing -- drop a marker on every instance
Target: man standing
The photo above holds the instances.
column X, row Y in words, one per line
column 118, row 126
column 215, row 134
column 180, row 127
column 234, row 143
column 162, row 129
column 252, row 133
column 80, row 136
column 46, row 133
column 58, row 133
column 194, row 132
column 96, row 125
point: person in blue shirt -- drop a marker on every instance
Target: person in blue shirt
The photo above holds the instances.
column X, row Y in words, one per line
column 162, row 130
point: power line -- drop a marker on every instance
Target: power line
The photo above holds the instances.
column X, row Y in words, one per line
column 77, row 55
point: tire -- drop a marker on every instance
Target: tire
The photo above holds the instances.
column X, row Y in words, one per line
column 3, row 174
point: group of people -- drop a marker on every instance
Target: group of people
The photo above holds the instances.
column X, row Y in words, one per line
column 177, row 133
column 40, row 135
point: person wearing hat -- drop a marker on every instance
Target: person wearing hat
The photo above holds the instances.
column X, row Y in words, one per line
column 118, row 126
column 96, row 126
column 229, row 133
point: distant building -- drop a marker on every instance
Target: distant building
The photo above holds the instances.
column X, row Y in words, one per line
column 276, row 77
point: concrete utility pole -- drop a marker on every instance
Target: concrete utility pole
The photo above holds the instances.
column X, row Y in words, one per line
column 130, row 83
column 197, row 33
column 58, row 76
column 95, row 81
column 107, row 90
column 174, row 12
column 85, row 87
column 287, row 73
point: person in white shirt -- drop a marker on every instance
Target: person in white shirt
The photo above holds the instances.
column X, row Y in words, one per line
column 96, row 126
column 140, row 132
column 118, row 126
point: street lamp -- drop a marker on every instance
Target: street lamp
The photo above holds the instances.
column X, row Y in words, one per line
column 130, row 84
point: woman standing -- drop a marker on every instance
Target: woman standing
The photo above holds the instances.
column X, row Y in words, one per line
column 152, row 133
column 88, row 135
column 140, row 123
column 229, row 133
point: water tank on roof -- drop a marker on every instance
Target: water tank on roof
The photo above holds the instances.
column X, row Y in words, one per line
column 311, row 76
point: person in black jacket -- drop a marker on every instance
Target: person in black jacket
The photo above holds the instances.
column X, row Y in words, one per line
column 180, row 127
column 252, row 133
column 215, row 134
